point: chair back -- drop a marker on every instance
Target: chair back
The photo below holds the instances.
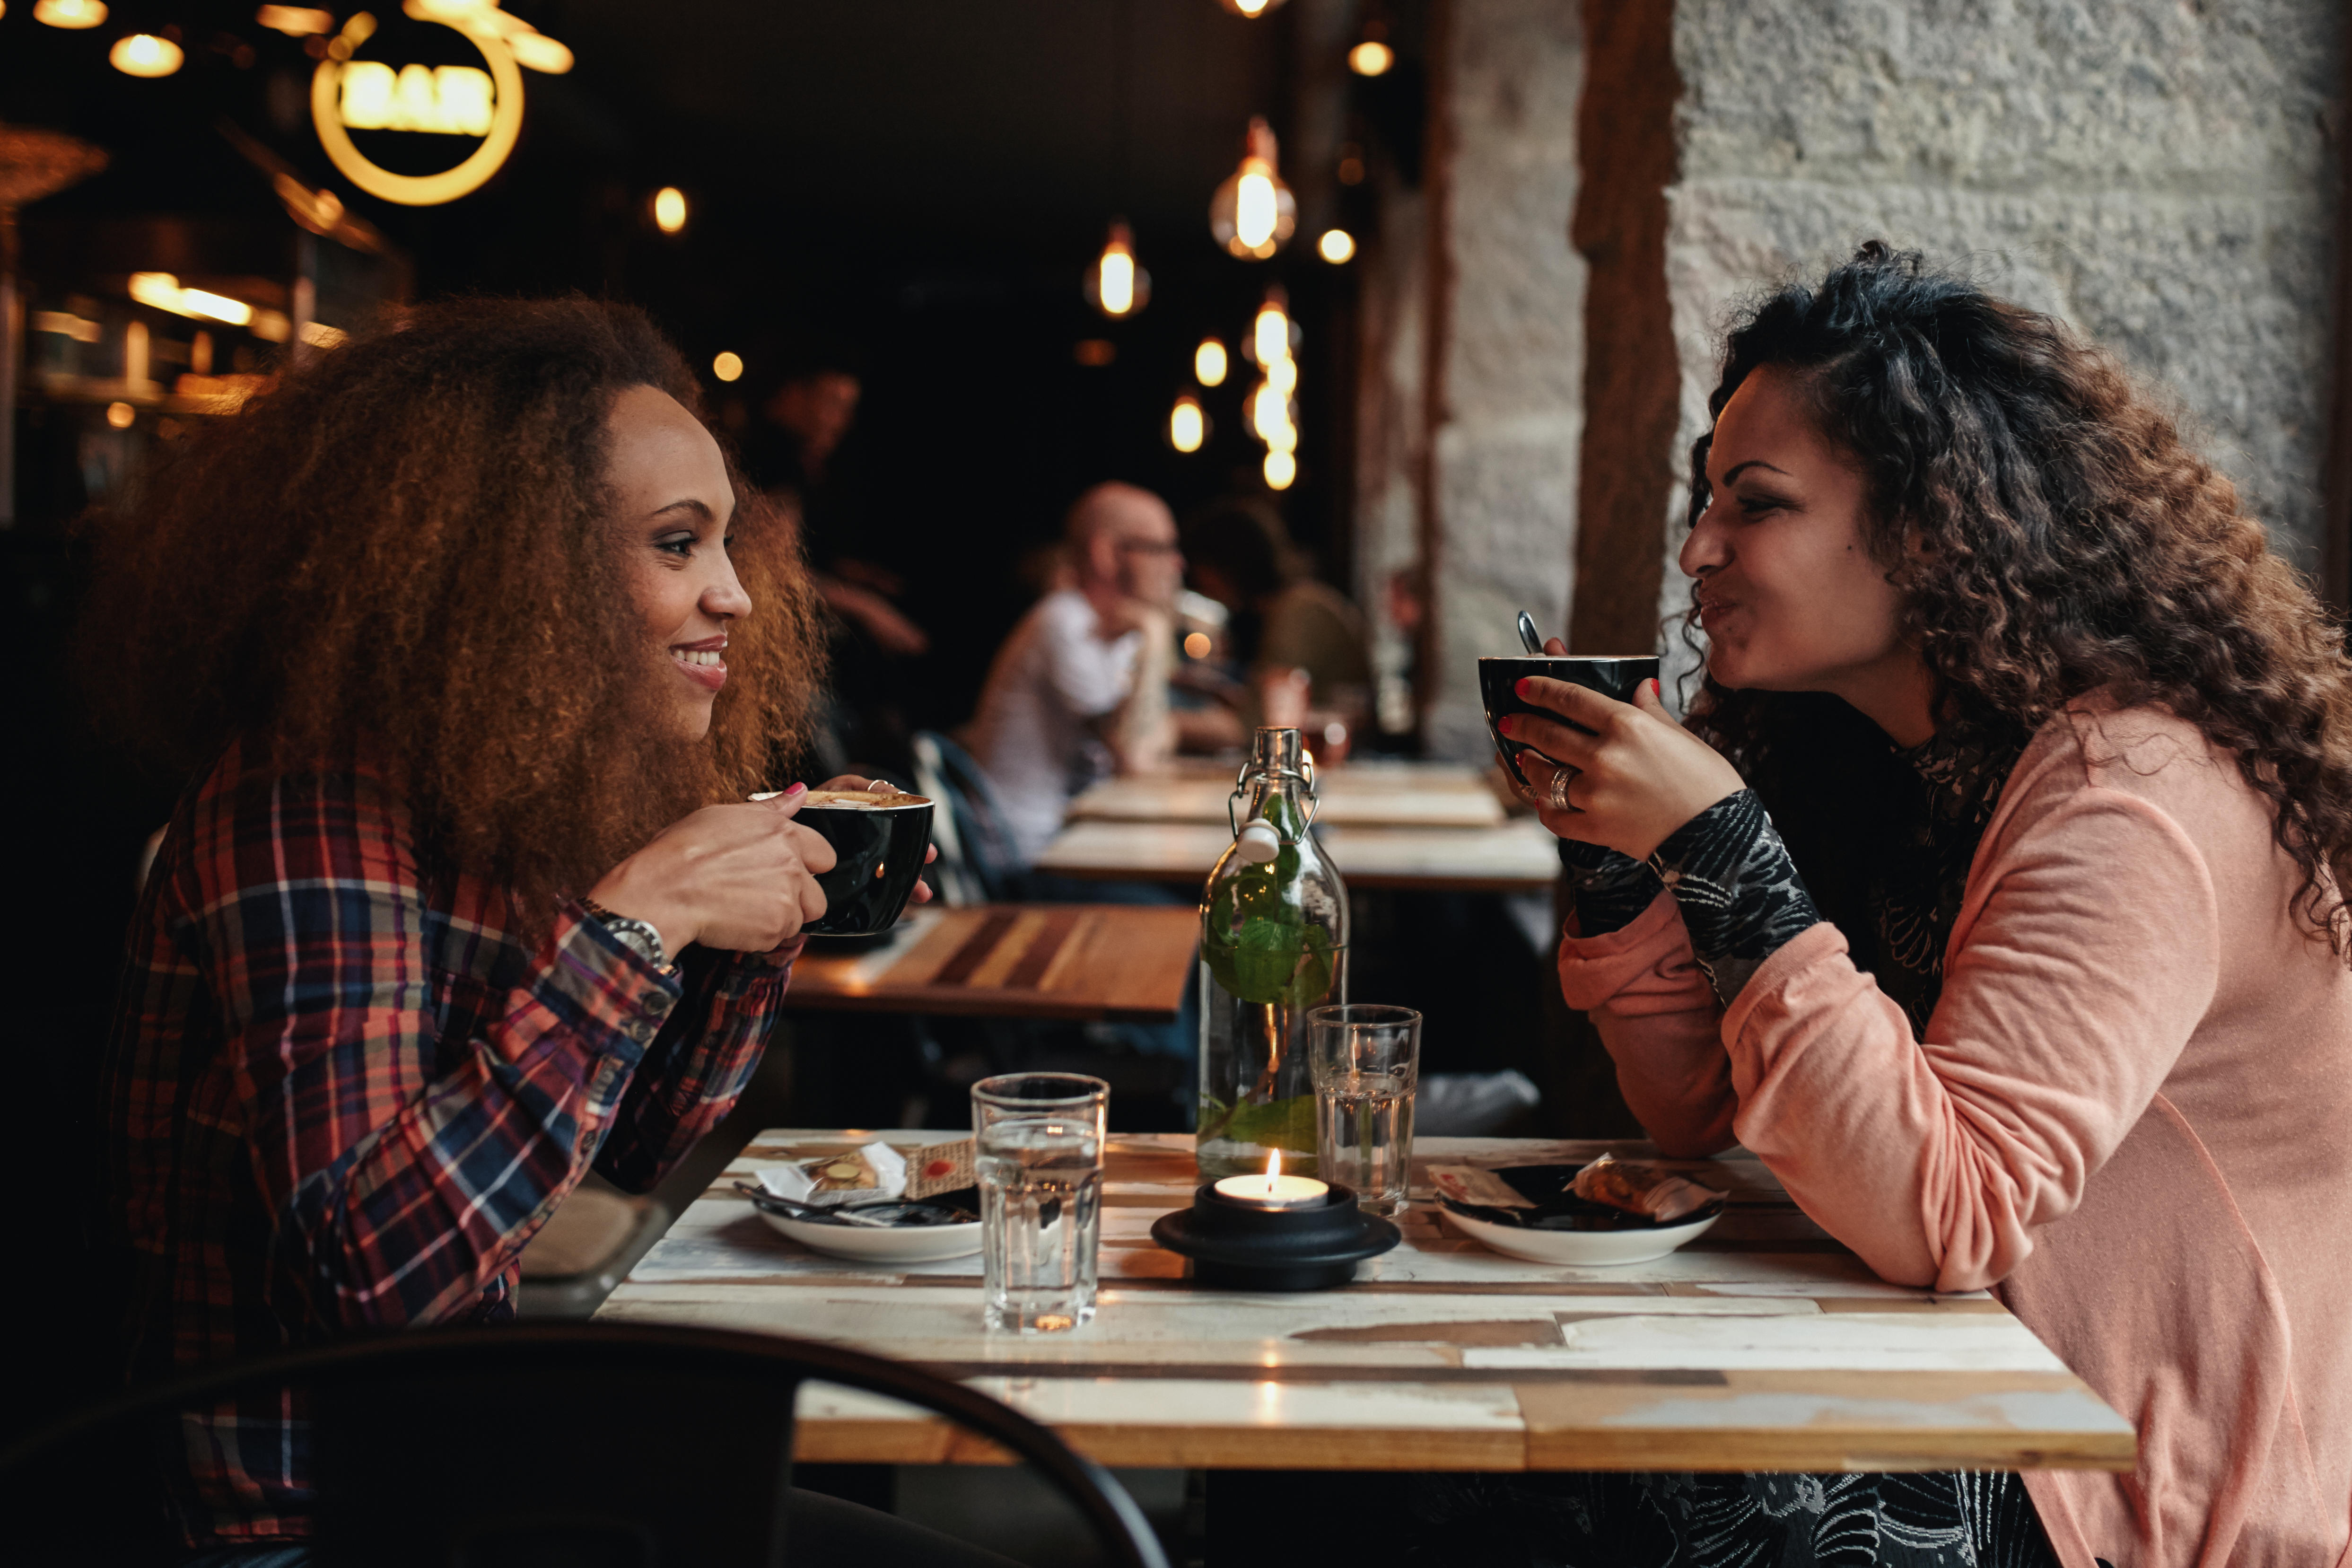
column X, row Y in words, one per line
column 574, row 1445
column 977, row 862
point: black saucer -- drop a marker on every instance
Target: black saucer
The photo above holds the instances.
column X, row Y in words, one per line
column 1244, row 1248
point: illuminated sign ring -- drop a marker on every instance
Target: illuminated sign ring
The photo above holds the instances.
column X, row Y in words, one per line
column 424, row 190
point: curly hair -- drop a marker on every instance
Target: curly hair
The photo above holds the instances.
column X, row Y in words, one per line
column 406, row 550
column 2051, row 536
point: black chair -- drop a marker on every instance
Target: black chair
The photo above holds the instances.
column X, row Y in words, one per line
column 977, row 862
column 561, row 1446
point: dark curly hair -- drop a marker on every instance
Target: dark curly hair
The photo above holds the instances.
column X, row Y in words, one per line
column 406, row 549
column 2051, row 536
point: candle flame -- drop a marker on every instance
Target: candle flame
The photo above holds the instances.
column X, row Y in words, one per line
column 1273, row 1170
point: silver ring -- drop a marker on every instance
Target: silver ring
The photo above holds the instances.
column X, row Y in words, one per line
column 1558, row 794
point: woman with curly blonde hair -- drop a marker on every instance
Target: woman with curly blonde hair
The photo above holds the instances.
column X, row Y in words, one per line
column 473, row 647
column 1994, row 899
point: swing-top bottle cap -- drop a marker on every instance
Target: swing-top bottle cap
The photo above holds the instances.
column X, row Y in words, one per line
column 1258, row 842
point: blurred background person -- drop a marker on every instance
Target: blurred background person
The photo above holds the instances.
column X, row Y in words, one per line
column 1297, row 644
column 793, row 452
column 1079, row 691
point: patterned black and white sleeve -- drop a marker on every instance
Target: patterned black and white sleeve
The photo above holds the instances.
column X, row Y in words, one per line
column 1610, row 890
column 1740, row 896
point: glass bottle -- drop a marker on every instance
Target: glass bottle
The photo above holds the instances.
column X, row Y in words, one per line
column 1274, row 944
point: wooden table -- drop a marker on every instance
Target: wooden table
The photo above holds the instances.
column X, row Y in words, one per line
column 1763, row 1345
column 1352, row 794
column 1514, row 857
column 1080, row 961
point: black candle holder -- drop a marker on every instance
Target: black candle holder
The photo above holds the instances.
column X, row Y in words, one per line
column 1249, row 1247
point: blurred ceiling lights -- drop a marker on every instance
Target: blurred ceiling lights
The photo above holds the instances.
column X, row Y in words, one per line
column 1271, row 408
column 669, row 209
column 1254, row 212
column 1372, row 57
column 295, row 21
column 162, row 292
column 1187, row 426
column 1116, row 286
column 728, row 366
column 69, row 13
column 1336, row 246
column 145, row 54
column 1209, row 363
column 533, row 49
column 1250, row 7
column 120, row 416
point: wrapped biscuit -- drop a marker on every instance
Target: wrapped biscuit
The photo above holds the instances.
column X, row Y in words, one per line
column 868, row 1174
column 1469, row 1185
column 1645, row 1190
column 941, row 1168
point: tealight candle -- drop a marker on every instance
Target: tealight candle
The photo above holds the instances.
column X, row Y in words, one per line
column 1273, row 1190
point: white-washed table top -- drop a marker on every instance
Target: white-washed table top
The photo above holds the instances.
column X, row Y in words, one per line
column 1417, row 794
column 1764, row 1345
column 1513, row 857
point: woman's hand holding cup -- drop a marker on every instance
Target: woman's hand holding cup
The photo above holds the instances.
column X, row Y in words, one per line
column 735, row 876
column 1633, row 774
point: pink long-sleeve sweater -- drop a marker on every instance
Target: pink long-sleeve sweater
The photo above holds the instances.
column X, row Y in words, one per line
column 2131, row 1118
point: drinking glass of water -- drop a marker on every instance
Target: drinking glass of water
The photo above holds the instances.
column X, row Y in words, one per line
column 1365, row 1059
column 1039, row 1139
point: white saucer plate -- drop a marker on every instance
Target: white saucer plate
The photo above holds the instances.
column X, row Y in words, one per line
column 865, row 1244
column 1591, row 1249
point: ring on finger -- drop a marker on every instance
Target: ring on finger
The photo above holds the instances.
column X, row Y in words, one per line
column 1557, row 796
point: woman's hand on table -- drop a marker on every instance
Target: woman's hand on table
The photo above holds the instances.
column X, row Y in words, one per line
column 1634, row 774
column 737, row 876
column 930, row 851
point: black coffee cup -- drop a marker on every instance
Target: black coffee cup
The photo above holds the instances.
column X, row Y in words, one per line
column 1616, row 676
column 878, row 842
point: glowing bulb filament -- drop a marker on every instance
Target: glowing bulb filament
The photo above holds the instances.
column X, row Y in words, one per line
column 1209, row 363
column 669, row 209
column 1273, row 337
column 1253, row 210
column 1117, row 282
column 1186, row 428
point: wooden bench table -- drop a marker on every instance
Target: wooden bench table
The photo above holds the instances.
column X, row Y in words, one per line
column 1353, row 795
column 1072, row 962
column 1763, row 1345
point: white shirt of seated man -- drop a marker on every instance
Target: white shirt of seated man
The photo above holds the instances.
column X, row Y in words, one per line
column 1080, row 689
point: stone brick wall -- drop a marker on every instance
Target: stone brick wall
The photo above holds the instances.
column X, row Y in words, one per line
column 1509, row 397
column 2157, row 172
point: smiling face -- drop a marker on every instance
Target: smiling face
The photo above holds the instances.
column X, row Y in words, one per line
column 674, row 503
column 1790, row 596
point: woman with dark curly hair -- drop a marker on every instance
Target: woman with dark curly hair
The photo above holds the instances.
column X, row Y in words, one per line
column 1993, row 899
column 473, row 647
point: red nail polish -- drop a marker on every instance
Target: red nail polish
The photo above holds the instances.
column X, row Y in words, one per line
column 1656, row 691
column 1520, row 686
column 796, row 789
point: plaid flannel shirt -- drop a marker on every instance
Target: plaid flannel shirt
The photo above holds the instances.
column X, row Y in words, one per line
column 340, row 1097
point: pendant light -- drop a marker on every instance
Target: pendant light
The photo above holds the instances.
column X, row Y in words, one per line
column 1254, row 212
column 1271, row 408
column 1115, row 285
column 1250, row 9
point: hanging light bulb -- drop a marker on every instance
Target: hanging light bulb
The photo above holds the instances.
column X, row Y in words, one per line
column 728, row 366
column 1250, row 7
column 145, row 54
column 1209, row 363
column 1336, row 247
column 71, row 13
column 1272, row 335
column 1281, row 469
column 1115, row 285
column 1254, row 212
column 669, row 209
column 1372, row 57
column 1187, row 426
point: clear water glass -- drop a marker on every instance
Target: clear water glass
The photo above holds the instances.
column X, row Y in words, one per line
column 1365, row 1059
column 1039, row 1147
